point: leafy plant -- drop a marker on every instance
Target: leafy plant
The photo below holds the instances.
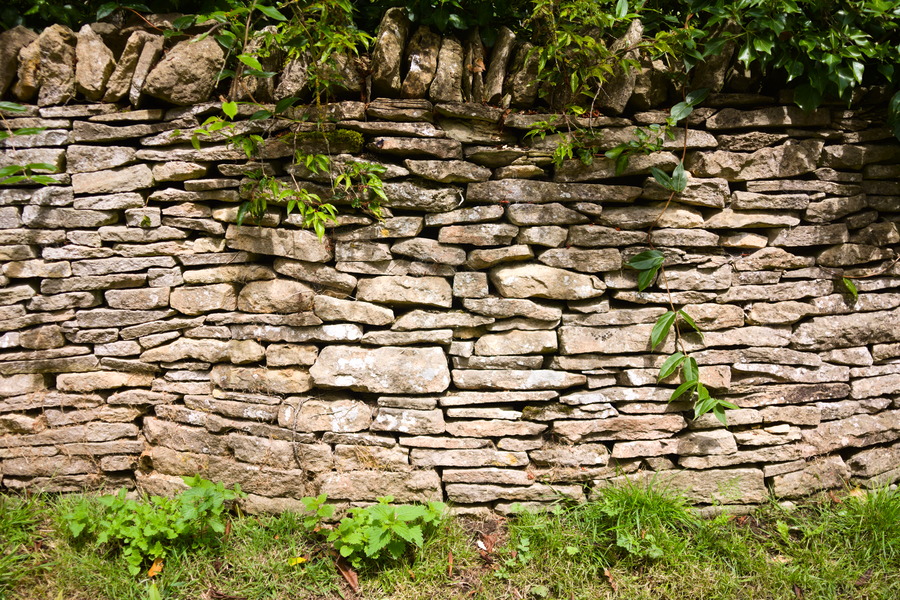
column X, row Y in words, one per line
column 384, row 531
column 13, row 174
column 147, row 530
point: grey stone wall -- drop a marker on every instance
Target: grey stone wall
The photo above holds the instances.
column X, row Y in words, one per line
column 483, row 344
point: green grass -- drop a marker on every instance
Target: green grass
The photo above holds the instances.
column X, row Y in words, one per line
column 632, row 542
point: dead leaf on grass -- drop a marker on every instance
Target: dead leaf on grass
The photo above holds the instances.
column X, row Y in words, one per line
column 612, row 581
column 347, row 573
column 156, row 568
column 798, row 592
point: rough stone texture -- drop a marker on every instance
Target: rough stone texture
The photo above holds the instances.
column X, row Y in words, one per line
column 483, row 338
column 188, row 72
column 382, row 370
column 94, row 63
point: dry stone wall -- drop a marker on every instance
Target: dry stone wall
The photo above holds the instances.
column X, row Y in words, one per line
column 483, row 343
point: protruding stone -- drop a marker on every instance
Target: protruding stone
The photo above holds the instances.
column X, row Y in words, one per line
column 188, row 73
column 389, row 45
column 531, row 280
column 94, row 64
column 392, row 370
column 447, row 83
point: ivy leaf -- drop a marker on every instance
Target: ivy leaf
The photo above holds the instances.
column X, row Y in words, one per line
column 807, row 97
column 661, row 329
column 271, row 12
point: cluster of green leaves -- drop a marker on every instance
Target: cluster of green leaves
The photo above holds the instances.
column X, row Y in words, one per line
column 381, row 531
column 148, row 529
column 12, row 174
column 572, row 49
column 648, row 264
column 652, row 139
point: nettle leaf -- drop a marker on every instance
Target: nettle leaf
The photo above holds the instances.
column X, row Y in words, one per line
column 661, row 329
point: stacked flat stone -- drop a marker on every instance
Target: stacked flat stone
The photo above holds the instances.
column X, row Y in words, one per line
column 483, row 343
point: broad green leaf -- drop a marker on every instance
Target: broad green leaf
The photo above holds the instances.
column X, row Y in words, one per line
column 250, row 61
column 671, row 364
column 230, row 109
column 11, row 170
column 12, row 107
column 260, row 115
column 697, row 96
column 681, row 111
column 691, row 372
column 621, row 9
column 690, row 321
column 271, row 12
column 29, row 131
column 645, row 278
column 106, row 9
column 679, row 178
column 661, row 329
column 851, row 287
column 662, row 178
column 807, row 97
column 681, row 389
column 646, row 260
column 285, row 103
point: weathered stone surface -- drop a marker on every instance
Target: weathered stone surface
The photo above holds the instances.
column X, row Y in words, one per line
column 874, row 461
column 415, row 486
column 726, row 486
column 531, row 280
column 188, row 72
column 269, row 381
column 620, row 428
column 211, row 351
column 334, row 309
column 775, row 116
column 447, row 83
column 126, row 179
column 824, row 473
column 275, row 296
column 422, row 457
column 386, row 57
column 538, row 379
column 197, row 300
column 589, row 261
column 299, row 244
column 382, row 370
column 524, row 190
column 414, row 422
column 855, row 431
column 11, row 42
column 100, row 380
column 313, row 414
column 429, row 291
column 94, row 63
column 845, row 331
column 422, row 61
column 788, row 160
column 514, row 342
column 406, row 147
